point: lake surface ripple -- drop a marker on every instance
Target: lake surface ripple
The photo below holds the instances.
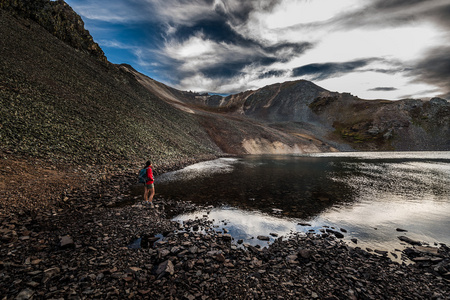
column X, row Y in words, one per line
column 369, row 194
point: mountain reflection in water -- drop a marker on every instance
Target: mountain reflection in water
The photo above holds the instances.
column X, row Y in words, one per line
column 368, row 194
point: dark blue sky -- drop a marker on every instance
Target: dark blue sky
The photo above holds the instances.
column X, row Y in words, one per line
column 388, row 49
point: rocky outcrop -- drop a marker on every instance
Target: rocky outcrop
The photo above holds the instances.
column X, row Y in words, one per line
column 386, row 125
column 58, row 18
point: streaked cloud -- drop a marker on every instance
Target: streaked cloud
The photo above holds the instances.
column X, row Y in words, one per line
column 383, row 89
column 328, row 70
column 221, row 46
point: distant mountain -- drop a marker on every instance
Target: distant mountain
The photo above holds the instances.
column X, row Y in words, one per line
column 341, row 120
column 233, row 131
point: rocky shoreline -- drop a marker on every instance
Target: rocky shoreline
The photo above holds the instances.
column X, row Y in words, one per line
column 88, row 247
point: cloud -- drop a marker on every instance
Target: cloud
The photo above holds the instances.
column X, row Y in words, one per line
column 272, row 73
column 383, row 89
column 215, row 50
column 327, row 70
column 393, row 13
column 434, row 69
column 227, row 45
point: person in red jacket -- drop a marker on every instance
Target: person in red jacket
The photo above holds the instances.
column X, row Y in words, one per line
column 149, row 185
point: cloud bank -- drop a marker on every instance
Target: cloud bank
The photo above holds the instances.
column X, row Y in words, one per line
column 360, row 46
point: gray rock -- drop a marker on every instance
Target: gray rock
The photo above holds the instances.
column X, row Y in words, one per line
column 292, row 259
column 219, row 257
column 336, row 233
column 165, row 267
column 263, row 238
column 25, row 294
column 409, row 240
column 305, row 253
column 66, row 242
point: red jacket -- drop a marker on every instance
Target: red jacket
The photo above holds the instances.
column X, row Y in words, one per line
column 150, row 175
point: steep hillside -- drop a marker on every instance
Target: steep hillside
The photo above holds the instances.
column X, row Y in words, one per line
column 60, row 103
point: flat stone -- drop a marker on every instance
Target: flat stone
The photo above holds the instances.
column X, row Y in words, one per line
column 66, row 242
column 381, row 252
column 409, row 240
column 304, row 224
column 25, row 294
column 263, row 238
column 421, row 259
column 430, row 250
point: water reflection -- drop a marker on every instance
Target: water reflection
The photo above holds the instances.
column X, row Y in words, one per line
column 368, row 194
column 301, row 186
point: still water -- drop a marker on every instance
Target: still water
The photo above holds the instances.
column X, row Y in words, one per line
column 369, row 195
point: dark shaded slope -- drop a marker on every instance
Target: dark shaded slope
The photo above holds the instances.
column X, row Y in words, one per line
column 58, row 102
column 283, row 102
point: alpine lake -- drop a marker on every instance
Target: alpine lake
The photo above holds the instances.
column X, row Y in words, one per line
column 372, row 198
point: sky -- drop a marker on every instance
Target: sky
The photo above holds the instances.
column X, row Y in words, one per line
column 373, row 49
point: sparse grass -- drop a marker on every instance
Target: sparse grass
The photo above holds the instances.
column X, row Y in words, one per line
column 59, row 103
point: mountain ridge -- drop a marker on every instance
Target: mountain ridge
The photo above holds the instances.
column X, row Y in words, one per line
column 289, row 117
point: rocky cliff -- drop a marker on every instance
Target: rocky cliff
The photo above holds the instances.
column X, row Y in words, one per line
column 59, row 19
column 409, row 124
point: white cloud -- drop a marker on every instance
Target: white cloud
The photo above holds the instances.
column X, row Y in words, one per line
column 360, row 84
column 303, row 12
column 341, row 31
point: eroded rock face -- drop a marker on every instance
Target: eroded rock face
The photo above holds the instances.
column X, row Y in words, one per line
column 60, row 20
column 408, row 124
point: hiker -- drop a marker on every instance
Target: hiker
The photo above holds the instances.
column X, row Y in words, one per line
column 149, row 184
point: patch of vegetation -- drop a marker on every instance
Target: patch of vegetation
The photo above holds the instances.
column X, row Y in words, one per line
column 358, row 135
column 320, row 103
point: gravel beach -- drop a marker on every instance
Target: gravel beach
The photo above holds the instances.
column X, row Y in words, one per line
column 100, row 242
